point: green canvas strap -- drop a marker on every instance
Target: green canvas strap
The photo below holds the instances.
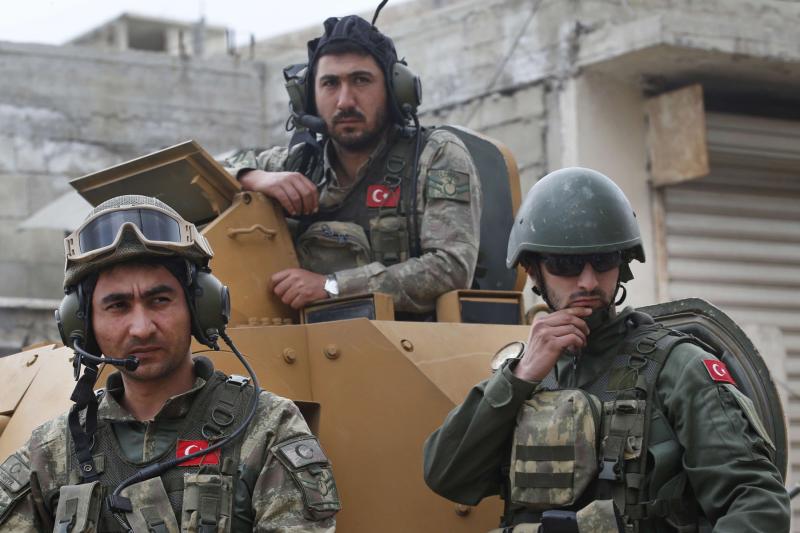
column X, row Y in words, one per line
column 653, row 343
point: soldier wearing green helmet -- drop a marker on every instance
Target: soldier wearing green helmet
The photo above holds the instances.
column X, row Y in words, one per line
column 604, row 420
column 170, row 444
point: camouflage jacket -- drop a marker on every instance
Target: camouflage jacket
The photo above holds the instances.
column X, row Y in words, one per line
column 449, row 225
column 727, row 461
column 269, row 495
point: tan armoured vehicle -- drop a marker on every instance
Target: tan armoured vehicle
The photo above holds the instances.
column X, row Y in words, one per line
column 371, row 387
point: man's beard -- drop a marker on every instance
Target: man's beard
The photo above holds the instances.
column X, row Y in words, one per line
column 363, row 140
column 599, row 315
column 600, row 294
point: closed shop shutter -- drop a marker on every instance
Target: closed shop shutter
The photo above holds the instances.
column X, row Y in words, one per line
column 733, row 238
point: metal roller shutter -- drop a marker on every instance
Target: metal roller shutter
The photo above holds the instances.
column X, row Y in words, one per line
column 733, row 238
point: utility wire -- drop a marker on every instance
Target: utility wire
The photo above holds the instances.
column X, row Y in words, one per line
column 504, row 62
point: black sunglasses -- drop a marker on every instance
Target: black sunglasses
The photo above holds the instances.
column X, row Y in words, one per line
column 572, row 265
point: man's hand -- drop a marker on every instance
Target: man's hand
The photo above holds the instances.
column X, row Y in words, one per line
column 295, row 192
column 297, row 287
column 549, row 337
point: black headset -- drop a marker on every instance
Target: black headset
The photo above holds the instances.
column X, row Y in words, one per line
column 404, row 86
column 208, row 299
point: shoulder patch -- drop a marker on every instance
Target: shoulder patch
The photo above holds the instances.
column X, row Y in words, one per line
column 309, row 467
column 448, row 185
column 718, row 371
column 301, row 452
column 14, row 473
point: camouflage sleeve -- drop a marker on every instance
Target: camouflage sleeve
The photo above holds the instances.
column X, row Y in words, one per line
column 449, row 193
column 294, row 490
column 272, row 160
column 16, row 509
column 463, row 458
column 726, row 449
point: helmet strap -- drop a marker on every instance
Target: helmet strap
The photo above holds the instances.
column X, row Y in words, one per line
column 624, row 294
column 539, row 287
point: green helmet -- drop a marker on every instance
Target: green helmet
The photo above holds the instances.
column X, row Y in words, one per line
column 131, row 227
column 576, row 211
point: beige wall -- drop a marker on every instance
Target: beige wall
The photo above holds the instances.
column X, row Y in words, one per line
column 600, row 124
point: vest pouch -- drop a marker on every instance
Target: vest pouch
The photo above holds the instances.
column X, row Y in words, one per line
column 78, row 508
column 328, row 247
column 598, row 517
column 389, row 237
column 554, row 453
column 152, row 511
column 623, row 429
column 207, row 503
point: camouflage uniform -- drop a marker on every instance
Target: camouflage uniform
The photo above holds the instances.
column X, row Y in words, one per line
column 724, row 451
column 449, row 225
column 268, row 497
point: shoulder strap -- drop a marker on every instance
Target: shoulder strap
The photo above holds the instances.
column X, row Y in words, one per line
column 402, row 163
column 653, row 343
column 306, row 157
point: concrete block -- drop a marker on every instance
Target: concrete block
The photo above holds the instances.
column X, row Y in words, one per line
column 44, row 189
column 7, row 159
column 46, row 279
column 524, row 139
column 13, row 197
column 501, row 108
column 13, row 277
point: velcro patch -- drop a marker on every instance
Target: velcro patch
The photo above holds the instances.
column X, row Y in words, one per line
column 14, row 473
column 718, row 371
column 188, row 447
column 448, row 185
column 302, row 452
column 382, row 196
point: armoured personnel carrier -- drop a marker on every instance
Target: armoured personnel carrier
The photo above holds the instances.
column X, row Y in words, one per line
column 371, row 387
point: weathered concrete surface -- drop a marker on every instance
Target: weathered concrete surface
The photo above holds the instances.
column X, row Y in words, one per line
column 68, row 111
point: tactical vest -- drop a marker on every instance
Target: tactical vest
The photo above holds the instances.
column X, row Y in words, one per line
column 391, row 233
column 632, row 426
column 218, row 409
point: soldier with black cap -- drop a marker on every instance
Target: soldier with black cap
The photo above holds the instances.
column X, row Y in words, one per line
column 171, row 444
column 604, row 421
column 382, row 204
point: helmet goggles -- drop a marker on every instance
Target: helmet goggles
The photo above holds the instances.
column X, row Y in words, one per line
column 153, row 226
column 571, row 265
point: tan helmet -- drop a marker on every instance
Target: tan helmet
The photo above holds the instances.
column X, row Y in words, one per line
column 129, row 227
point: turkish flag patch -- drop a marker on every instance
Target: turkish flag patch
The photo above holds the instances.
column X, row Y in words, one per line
column 188, row 447
column 718, row 371
column 382, row 196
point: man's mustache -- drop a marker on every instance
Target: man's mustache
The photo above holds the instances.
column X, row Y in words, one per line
column 595, row 293
column 348, row 114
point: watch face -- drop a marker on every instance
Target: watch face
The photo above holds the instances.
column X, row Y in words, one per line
column 512, row 350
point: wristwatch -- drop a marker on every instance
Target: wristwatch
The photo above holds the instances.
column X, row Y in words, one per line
column 332, row 286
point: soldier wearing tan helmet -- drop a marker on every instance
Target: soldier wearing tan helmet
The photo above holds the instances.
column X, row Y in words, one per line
column 604, row 421
column 170, row 444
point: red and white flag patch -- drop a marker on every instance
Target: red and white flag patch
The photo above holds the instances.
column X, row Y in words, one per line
column 382, row 196
column 188, row 447
column 718, row 371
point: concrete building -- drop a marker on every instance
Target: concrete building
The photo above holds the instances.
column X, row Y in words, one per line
column 690, row 106
column 136, row 32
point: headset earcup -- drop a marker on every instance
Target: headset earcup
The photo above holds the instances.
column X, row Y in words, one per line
column 69, row 317
column 406, row 86
column 212, row 306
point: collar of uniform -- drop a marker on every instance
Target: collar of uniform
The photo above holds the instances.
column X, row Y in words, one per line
column 177, row 406
column 377, row 154
column 601, row 339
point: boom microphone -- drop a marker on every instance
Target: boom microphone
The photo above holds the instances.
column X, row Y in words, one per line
column 313, row 123
column 129, row 363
